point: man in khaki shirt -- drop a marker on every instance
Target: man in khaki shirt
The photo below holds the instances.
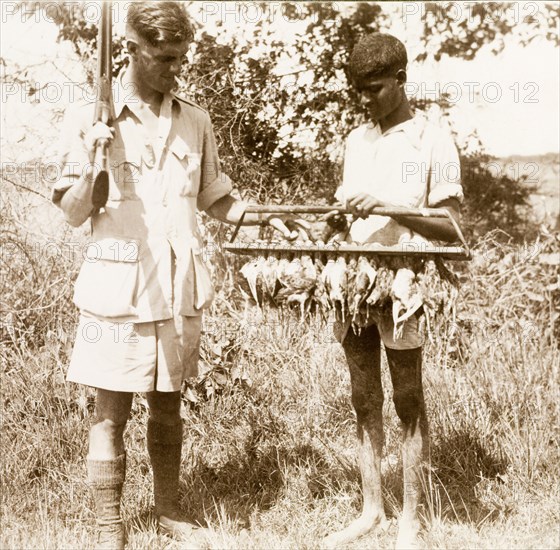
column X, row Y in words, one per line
column 144, row 285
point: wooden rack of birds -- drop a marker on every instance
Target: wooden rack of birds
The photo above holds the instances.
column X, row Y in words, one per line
column 356, row 281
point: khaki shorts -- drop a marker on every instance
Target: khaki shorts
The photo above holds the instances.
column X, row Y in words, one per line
column 412, row 337
column 135, row 357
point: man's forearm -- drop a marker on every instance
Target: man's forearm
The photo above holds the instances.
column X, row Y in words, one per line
column 431, row 228
column 76, row 201
column 228, row 209
column 440, row 229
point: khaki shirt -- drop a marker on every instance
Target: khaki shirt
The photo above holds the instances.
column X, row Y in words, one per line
column 144, row 262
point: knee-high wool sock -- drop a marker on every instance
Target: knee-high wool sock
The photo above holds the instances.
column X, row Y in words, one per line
column 105, row 479
column 164, row 448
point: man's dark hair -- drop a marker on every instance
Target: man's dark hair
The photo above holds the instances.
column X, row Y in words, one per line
column 377, row 54
column 159, row 22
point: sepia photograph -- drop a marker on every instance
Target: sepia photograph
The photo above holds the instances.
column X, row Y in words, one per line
column 279, row 275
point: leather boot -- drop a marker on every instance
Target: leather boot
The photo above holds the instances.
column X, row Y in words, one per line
column 105, row 479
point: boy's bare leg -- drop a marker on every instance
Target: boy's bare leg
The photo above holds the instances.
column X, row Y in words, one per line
column 406, row 373
column 364, row 361
column 107, row 464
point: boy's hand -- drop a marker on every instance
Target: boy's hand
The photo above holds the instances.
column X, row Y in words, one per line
column 361, row 205
column 97, row 132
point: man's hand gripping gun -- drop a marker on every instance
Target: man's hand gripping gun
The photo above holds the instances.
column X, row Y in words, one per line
column 104, row 111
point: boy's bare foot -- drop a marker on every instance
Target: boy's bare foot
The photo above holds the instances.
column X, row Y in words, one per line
column 409, row 529
column 361, row 526
column 111, row 537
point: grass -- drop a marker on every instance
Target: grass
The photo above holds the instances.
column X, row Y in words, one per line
column 270, row 457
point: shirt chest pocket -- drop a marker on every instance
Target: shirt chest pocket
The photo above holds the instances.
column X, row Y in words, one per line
column 183, row 169
column 126, row 172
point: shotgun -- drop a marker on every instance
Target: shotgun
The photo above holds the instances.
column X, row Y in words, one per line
column 103, row 105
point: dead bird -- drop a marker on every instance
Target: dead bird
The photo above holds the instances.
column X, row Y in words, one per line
column 381, row 290
column 406, row 297
column 335, row 280
column 252, row 271
column 364, row 281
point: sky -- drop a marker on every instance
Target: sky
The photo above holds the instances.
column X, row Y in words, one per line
column 510, row 99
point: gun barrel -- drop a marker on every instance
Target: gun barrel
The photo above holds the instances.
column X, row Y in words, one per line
column 104, row 38
column 103, row 105
column 104, row 65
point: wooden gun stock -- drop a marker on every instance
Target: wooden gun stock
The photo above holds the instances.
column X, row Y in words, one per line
column 103, row 106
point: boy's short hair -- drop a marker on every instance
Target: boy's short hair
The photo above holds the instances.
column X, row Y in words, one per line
column 159, row 22
column 377, row 54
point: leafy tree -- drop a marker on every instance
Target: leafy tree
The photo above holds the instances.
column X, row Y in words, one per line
column 460, row 30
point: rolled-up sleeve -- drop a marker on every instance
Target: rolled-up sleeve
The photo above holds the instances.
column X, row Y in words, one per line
column 445, row 181
column 214, row 184
column 73, row 156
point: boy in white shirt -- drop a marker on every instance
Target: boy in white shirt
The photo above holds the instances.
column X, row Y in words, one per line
column 398, row 159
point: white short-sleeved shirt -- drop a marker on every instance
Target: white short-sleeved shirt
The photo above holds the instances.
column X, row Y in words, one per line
column 414, row 164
